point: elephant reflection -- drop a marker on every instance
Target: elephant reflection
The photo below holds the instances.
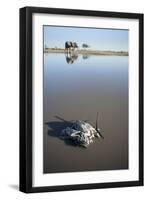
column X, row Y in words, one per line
column 85, row 56
column 71, row 57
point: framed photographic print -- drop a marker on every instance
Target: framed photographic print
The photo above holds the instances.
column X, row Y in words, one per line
column 81, row 99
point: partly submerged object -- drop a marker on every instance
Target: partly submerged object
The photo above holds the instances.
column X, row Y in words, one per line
column 81, row 133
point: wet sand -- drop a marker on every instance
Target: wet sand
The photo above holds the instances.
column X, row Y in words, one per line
column 78, row 91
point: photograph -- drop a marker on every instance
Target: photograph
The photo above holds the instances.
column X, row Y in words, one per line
column 81, row 99
column 85, row 99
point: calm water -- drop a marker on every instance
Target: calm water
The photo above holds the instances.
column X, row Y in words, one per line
column 77, row 91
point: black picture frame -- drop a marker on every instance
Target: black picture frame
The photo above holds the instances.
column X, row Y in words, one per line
column 26, row 75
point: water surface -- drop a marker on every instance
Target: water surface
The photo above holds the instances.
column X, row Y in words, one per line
column 78, row 91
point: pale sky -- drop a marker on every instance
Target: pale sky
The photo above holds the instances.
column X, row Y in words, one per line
column 100, row 39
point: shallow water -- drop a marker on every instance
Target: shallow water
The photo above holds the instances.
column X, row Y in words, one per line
column 78, row 91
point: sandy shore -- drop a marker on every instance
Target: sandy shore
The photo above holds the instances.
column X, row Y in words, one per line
column 89, row 52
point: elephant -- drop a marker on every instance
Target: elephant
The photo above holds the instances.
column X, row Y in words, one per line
column 70, row 46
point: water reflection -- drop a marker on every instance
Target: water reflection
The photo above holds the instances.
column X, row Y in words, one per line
column 76, row 92
column 85, row 56
column 71, row 57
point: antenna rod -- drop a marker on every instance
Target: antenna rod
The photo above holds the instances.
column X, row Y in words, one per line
column 96, row 126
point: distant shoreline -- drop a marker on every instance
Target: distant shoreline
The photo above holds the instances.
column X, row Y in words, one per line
column 88, row 52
